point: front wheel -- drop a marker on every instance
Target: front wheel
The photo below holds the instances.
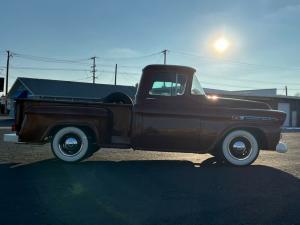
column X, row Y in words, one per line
column 71, row 144
column 239, row 148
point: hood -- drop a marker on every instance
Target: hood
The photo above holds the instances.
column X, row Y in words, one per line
column 236, row 103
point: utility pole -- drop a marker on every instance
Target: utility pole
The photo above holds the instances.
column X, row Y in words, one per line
column 116, row 73
column 6, row 79
column 165, row 55
column 94, row 68
column 286, row 91
column 7, row 72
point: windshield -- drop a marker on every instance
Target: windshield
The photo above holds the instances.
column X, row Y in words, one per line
column 196, row 87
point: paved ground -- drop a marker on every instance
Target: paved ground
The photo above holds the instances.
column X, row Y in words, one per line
column 6, row 121
column 127, row 187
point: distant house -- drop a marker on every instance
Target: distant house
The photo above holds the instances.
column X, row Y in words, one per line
column 65, row 90
column 255, row 92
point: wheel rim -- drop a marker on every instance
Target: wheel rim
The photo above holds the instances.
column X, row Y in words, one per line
column 70, row 144
column 240, row 148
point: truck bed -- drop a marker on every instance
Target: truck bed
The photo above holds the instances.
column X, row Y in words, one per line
column 36, row 119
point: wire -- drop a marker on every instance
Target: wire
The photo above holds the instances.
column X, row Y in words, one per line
column 80, row 79
column 235, row 62
column 249, row 80
column 47, row 68
column 49, row 60
column 130, row 58
column 226, row 85
column 238, row 86
column 132, row 67
column 119, row 72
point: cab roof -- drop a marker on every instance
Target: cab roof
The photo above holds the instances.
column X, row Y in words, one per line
column 190, row 70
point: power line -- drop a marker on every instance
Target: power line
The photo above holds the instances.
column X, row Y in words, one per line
column 133, row 67
column 234, row 62
column 250, row 80
column 48, row 59
column 238, row 86
column 38, row 77
column 122, row 72
column 226, row 85
column 211, row 75
column 128, row 58
column 80, row 79
column 47, row 68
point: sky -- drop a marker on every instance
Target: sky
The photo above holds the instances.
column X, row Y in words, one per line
column 263, row 34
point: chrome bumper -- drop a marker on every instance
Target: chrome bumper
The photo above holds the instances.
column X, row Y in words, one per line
column 13, row 138
column 281, row 147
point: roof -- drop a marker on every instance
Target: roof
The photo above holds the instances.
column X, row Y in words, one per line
column 69, row 89
column 169, row 67
column 254, row 92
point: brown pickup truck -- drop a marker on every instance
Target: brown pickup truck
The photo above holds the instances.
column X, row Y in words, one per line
column 170, row 113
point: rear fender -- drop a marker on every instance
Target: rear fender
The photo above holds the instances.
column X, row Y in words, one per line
column 96, row 134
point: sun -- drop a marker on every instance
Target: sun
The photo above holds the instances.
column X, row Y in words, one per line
column 221, row 44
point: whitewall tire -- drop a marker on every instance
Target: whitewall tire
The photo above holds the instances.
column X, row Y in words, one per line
column 240, row 148
column 70, row 144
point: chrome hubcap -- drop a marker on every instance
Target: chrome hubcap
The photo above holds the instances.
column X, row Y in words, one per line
column 240, row 148
column 70, row 144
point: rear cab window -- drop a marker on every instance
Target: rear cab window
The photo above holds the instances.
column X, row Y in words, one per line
column 168, row 84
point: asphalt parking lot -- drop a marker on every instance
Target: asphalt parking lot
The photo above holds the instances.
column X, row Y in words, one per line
column 138, row 187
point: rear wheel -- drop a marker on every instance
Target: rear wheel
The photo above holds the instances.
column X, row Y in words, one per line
column 239, row 148
column 71, row 144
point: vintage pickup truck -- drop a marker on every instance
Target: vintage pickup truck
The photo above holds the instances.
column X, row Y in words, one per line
column 170, row 113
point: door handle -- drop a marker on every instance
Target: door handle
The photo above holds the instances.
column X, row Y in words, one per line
column 149, row 98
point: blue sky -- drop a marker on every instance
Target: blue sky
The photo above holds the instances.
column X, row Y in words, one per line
column 264, row 36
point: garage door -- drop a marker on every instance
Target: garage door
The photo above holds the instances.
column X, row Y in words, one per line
column 285, row 107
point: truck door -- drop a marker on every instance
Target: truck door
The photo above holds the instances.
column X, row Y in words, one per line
column 168, row 119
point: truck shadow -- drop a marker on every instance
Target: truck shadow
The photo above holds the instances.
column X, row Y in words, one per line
column 146, row 192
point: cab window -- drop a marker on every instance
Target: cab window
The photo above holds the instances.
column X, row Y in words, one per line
column 168, row 85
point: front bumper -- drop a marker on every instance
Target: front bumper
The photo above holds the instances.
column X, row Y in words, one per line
column 13, row 138
column 281, row 147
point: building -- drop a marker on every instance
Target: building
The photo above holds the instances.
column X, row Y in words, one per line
column 289, row 104
column 65, row 90
column 78, row 91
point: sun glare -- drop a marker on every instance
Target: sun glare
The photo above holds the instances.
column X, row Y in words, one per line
column 221, row 44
